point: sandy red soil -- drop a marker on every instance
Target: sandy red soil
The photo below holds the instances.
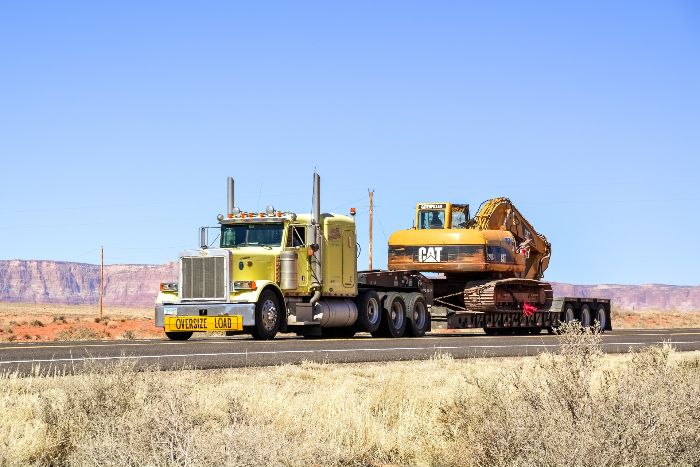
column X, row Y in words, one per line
column 38, row 322
column 23, row 322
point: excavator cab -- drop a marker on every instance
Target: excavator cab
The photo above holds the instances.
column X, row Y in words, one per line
column 441, row 216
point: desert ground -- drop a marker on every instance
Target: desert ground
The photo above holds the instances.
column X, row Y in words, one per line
column 578, row 407
column 23, row 322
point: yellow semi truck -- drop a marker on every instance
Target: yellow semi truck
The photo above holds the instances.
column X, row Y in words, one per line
column 279, row 271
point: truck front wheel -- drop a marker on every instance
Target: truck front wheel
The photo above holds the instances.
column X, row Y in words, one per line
column 267, row 316
column 178, row 336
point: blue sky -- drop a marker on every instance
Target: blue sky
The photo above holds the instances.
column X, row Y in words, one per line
column 119, row 122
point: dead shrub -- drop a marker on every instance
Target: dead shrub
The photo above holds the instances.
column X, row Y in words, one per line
column 80, row 334
column 574, row 408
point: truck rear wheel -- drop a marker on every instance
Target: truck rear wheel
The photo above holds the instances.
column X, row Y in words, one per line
column 369, row 311
column 178, row 336
column 267, row 316
column 393, row 322
column 419, row 318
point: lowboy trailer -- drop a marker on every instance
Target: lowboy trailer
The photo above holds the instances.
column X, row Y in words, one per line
column 276, row 271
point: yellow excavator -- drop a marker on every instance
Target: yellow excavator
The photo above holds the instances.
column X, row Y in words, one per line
column 491, row 262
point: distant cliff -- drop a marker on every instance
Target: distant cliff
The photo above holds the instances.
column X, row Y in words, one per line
column 637, row 297
column 33, row 281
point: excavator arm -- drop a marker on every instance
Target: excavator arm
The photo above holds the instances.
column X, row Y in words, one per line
column 501, row 214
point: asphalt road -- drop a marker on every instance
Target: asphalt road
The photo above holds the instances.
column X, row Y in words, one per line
column 243, row 351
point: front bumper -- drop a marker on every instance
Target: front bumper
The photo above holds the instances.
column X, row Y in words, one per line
column 245, row 310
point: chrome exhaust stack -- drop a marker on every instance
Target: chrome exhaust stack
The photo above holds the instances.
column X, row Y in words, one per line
column 229, row 210
column 317, row 246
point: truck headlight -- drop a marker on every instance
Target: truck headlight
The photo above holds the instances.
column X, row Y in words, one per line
column 244, row 285
column 168, row 286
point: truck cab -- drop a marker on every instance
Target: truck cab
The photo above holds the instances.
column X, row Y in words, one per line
column 259, row 256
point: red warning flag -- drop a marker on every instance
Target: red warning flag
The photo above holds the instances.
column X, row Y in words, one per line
column 529, row 310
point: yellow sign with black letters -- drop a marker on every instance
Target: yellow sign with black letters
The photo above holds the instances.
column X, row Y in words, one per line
column 203, row 323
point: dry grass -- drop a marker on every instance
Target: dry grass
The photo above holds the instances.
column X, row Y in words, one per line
column 49, row 309
column 579, row 407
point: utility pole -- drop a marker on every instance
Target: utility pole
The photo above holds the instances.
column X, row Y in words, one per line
column 371, row 212
column 102, row 276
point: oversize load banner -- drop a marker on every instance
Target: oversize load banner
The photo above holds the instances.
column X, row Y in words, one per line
column 203, row 323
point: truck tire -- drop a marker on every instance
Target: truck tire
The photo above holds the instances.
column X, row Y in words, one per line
column 418, row 315
column 602, row 318
column 393, row 322
column 267, row 316
column 369, row 311
column 586, row 320
column 178, row 336
column 569, row 313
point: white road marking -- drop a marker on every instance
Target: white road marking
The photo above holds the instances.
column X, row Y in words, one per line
column 310, row 351
column 29, row 345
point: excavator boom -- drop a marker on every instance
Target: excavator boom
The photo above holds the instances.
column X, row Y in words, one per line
column 500, row 213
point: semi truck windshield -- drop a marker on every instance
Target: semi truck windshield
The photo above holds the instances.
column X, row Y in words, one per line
column 233, row 236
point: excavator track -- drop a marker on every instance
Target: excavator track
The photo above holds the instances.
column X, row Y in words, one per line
column 507, row 294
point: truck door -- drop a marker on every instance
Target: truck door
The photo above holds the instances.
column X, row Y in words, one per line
column 349, row 258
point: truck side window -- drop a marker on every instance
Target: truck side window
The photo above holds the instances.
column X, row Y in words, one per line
column 296, row 236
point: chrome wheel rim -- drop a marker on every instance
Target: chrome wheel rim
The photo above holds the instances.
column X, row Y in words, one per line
column 419, row 315
column 569, row 314
column 269, row 315
column 601, row 318
column 586, row 317
column 396, row 314
column 373, row 314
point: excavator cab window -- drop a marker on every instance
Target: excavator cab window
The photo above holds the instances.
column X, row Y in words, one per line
column 431, row 219
column 460, row 216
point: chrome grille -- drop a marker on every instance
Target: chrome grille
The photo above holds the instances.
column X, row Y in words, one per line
column 203, row 277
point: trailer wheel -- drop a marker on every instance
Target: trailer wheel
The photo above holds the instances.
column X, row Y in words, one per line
column 178, row 336
column 369, row 311
column 569, row 314
column 602, row 318
column 585, row 316
column 419, row 318
column 267, row 316
column 393, row 322
column 490, row 331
